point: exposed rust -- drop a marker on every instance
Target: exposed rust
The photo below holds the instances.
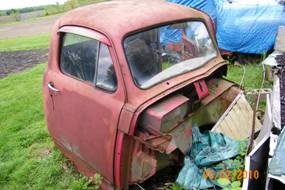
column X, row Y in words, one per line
column 157, row 147
column 160, row 143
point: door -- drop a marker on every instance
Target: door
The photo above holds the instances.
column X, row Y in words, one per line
column 84, row 99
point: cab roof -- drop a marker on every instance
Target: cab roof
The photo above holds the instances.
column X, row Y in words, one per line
column 117, row 18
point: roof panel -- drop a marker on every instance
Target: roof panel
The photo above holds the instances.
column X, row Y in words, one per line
column 117, row 18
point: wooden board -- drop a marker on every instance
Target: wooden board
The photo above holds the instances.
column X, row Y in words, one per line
column 236, row 122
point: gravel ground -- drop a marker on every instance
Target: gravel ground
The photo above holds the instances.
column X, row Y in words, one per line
column 28, row 28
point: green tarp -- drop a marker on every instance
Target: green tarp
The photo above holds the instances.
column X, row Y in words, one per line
column 208, row 150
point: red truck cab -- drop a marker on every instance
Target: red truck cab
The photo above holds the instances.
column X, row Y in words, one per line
column 126, row 81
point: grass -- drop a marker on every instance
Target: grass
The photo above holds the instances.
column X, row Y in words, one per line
column 253, row 76
column 25, row 43
column 28, row 158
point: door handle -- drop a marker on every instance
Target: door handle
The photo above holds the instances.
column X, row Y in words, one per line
column 52, row 88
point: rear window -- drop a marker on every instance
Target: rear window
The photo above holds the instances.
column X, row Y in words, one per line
column 88, row 60
column 166, row 51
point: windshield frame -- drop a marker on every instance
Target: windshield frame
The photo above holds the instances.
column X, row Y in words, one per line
column 212, row 37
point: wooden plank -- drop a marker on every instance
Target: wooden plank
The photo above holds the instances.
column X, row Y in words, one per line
column 240, row 124
column 243, row 120
column 226, row 130
column 234, row 126
column 280, row 39
column 236, row 122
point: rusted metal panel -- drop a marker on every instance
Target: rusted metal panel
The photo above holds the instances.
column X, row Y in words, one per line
column 168, row 117
column 163, row 116
column 79, row 120
column 144, row 163
column 236, row 122
column 216, row 88
column 160, row 143
column 221, row 94
column 182, row 137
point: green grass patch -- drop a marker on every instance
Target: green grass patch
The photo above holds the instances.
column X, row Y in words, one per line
column 253, row 77
column 25, row 43
column 28, row 158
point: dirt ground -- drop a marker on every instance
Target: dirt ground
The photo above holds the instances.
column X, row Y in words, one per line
column 28, row 28
column 11, row 62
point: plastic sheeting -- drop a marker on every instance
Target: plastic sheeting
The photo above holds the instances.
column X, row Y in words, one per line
column 276, row 166
column 207, row 149
column 207, row 6
column 246, row 26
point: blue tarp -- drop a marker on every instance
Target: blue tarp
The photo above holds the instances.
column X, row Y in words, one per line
column 174, row 36
column 207, row 6
column 170, row 36
column 246, row 26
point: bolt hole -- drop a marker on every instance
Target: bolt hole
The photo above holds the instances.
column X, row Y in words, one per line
column 167, row 83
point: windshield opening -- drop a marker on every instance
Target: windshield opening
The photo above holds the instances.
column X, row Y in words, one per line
column 167, row 51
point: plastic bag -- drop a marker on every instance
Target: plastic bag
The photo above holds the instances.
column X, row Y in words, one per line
column 207, row 150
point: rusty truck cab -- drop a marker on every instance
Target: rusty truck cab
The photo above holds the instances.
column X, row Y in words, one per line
column 121, row 95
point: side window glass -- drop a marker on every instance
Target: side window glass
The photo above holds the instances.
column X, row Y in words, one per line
column 106, row 76
column 78, row 56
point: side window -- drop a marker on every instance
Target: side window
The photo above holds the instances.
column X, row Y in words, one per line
column 79, row 56
column 106, row 77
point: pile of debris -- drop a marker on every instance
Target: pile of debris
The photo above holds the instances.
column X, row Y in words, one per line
column 262, row 167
